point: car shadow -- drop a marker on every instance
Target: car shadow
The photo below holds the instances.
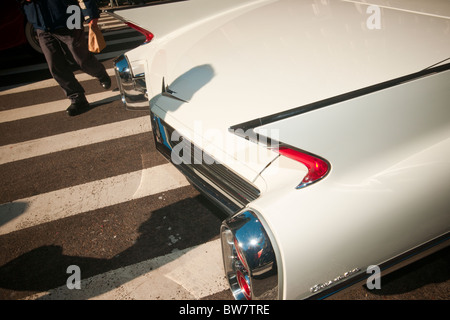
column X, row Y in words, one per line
column 181, row 90
column 432, row 269
column 10, row 211
column 99, row 103
column 193, row 219
column 44, row 269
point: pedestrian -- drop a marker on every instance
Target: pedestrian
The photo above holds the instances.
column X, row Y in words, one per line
column 50, row 19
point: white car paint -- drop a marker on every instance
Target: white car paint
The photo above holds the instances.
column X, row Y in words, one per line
column 309, row 60
column 387, row 192
column 389, row 148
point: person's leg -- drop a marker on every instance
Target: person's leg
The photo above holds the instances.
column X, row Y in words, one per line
column 78, row 47
column 59, row 67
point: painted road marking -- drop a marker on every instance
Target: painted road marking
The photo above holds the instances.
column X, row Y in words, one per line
column 192, row 273
column 54, row 106
column 54, row 205
column 25, row 87
column 188, row 274
column 73, row 139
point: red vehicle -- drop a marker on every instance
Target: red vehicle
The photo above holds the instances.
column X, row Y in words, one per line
column 15, row 30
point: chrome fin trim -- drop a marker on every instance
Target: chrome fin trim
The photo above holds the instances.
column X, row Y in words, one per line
column 250, row 125
column 166, row 92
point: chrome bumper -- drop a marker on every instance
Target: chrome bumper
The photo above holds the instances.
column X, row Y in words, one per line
column 249, row 257
column 232, row 194
column 133, row 89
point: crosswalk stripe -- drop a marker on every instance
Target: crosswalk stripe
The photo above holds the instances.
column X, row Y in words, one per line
column 51, row 206
column 54, row 106
column 73, row 139
column 25, row 87
column 130, row 39
column 119, row 31
column 104, row 26
column 107, row 17
column 187, row 274
column 34, row 67
column 109, row 55
column 191, row 273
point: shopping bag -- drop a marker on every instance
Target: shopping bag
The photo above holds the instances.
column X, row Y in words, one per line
column 96, row 40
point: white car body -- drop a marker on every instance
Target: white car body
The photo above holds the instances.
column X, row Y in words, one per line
column 362, row 85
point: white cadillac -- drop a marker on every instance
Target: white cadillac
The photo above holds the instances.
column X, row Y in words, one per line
column 322, row 127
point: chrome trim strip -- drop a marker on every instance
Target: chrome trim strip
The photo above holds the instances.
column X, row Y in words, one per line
column 387, row 267
column 250, row 125
column 246, row 130
column 273, row 144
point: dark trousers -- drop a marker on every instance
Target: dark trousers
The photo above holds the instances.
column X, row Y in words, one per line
column 56, row 45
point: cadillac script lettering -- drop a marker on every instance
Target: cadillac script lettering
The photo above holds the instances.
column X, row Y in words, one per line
column 324, row 285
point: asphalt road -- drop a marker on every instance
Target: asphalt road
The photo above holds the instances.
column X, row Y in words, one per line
column 91, row 191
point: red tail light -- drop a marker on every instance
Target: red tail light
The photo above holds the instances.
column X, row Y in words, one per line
column 243, row 284
column 148, row 35
column 317, row 168
column 242, row 274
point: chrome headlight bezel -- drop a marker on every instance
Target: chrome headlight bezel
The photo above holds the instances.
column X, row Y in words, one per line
column 249, row 257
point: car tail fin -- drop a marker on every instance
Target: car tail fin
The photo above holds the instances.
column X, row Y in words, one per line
column 148, row 35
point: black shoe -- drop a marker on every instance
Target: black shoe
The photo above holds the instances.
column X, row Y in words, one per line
column 105, row 82
column 77, row 107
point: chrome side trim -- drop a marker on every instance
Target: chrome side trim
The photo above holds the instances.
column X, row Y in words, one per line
column 250, row 125
column 132, row 88
column 259, row 255
column 387, row 267
column 220, row 184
